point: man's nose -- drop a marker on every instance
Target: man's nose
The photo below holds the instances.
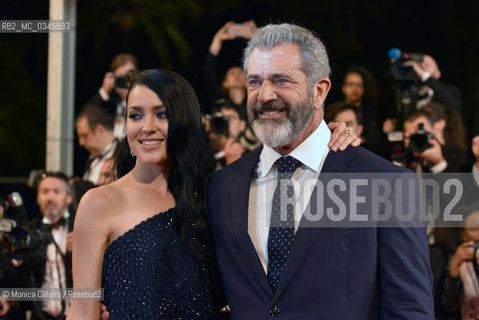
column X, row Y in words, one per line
column 267, row 92
column 50, row 196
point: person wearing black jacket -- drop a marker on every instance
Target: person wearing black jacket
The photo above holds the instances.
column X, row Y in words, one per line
column 112, row 93
column 445, row 152
column 431, row 88
column 231, row 90
column 49, row 267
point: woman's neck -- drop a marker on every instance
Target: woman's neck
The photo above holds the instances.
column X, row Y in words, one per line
column 156, row 175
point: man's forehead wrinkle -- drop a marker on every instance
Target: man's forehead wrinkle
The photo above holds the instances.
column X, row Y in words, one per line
column 264, row 65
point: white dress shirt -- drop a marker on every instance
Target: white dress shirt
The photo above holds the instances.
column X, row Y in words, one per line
column 311, row 153
column 53, row 266
column 475, row 173
column 93, row 172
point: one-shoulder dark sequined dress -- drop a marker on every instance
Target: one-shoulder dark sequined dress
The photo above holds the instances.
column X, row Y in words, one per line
column 148, row 274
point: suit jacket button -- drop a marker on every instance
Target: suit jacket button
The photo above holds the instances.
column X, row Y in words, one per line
column 274, row 311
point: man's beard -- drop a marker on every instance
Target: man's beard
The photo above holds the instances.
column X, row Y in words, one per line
column 283, row 131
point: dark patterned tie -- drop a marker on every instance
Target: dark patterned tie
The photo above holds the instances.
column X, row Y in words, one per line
column 281, row 230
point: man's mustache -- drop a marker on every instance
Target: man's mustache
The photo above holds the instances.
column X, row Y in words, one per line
column 270, row 106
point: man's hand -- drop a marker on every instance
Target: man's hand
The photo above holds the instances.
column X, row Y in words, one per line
column 432, row 155
column 104, row 314
column 108, row 82
column 70, row 241
column 417, row 68
column 463, row 253
column 340, row 138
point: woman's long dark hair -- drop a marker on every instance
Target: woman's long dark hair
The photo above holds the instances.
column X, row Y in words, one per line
column 455, row 130
column 185, row 147
column 371, row 89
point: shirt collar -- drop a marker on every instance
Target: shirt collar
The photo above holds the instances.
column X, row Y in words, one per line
column 108, row 151
column 310, row 152
column 45, row 220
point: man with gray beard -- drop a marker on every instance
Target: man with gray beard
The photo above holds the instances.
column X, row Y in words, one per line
column 274, row 265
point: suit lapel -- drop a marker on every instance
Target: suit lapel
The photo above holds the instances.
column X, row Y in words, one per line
column 239, row 188
column 305, row 236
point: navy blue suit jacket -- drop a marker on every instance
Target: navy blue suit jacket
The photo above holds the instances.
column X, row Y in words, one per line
column 331, row 273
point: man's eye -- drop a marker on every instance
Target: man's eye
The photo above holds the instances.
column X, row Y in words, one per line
column 280, row 82
column 254, row 83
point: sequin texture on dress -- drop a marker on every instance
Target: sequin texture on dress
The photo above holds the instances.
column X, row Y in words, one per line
column 149, row 274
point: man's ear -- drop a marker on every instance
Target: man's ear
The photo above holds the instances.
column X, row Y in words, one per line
column 99, row 129
column 69, row 199
column 360, row 130
column 320, row 91
column 440, row 125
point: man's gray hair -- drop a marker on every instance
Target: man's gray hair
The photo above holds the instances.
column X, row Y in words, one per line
column 315, row 62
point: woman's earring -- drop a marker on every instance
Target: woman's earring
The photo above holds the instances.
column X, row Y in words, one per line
column 132, row 154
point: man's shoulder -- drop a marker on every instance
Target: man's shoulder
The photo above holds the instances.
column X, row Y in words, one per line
column 360, row 159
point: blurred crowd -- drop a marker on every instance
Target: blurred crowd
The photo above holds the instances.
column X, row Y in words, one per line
column 420, row 128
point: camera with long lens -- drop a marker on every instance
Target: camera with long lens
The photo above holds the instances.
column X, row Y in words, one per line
column 124, row 81
column 10, row 204
column 15, row 233
column 406, row 94
column 419, row 141
column 401, row 72
column 219, row 124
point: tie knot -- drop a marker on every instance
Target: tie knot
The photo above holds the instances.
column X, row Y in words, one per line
column 287, row 164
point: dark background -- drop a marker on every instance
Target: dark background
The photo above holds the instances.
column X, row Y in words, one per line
column 176, row 35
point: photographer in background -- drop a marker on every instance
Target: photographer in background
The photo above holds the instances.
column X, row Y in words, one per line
column 417, row 84
column 94, row 127
column 431, row 89
column 52, row 269
column 430, row 142
column 475, row 152
column 460, row 295
column 112, row 94
column 231, row 90
column 226, row 126
column 9, row 277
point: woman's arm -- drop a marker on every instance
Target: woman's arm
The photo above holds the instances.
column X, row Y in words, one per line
column 90, row 238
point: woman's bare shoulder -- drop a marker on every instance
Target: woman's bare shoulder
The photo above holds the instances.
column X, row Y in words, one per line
column 104, row 199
